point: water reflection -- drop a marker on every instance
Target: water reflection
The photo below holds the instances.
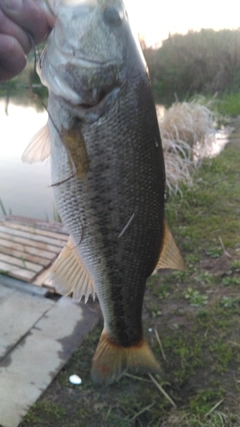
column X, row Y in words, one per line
column 213, row 144
column 24, row 189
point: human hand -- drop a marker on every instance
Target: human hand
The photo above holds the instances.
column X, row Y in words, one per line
column 22, row 24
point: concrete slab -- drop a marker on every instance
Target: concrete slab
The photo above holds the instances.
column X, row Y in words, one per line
column 18, row 313
column 26, row 376
column 19, row 285
column 5, row 293
column 27, row 370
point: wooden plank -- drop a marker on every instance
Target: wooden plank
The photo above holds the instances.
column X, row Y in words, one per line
column 17, row 272
column 25, row 256
column 44, row 225
column 18, row 262
column 28, row 242
column 45, row 254
column 29, row 247
column 35, row 230
column 35, row 237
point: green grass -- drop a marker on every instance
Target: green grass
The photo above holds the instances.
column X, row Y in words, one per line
column 210, row 209
column 229, row 104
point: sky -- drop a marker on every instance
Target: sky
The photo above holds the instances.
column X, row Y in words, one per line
column 154, row 19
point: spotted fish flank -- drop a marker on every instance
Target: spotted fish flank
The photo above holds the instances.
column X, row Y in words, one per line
column 106, row 156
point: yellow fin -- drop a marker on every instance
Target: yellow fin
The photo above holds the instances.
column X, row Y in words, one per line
column 38, row 148
column 170, row 256
column 70, row 276
column 111, row 361
column 74, row 142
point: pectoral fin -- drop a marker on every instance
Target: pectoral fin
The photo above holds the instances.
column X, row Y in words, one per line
column 170, row 256
column 76, row 147
column 38, row 148
column 70, row 276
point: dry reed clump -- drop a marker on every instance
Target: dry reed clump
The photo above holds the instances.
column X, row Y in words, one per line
column 186, row 129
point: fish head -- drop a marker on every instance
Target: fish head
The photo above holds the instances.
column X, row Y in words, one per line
column 86, row 53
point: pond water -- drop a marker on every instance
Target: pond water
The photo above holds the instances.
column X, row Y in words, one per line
column 24, row 188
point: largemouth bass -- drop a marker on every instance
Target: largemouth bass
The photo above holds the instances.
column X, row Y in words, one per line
column 108, row 174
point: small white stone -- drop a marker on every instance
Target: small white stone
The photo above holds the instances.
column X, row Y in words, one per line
column 75, row 379
column 150, row 330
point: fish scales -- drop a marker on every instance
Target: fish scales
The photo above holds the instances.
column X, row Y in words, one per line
column 125, row 177
column 108, row 174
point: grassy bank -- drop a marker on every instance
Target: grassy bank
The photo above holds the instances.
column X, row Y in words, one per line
column 191, row 321
column 229, row 104
column 204, row 61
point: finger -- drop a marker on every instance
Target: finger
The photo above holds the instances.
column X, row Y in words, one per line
column 12, row 57
column 9, row 27
column 30, row 16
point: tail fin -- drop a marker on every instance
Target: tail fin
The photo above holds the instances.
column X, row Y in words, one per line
column 111, row 361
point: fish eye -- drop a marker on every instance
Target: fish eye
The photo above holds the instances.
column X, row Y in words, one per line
column 113, row 16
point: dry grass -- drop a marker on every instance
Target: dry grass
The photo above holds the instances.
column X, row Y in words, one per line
column 188, row 132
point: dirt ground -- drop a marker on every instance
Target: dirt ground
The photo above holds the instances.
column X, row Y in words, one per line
column 191, row 321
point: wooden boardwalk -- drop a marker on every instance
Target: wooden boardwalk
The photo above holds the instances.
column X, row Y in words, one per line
column 29, row 247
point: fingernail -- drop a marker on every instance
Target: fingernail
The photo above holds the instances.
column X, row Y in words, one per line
column 12, row 5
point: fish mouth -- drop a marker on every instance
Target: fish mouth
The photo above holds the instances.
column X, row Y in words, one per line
column 100, row 98
column 80, row 97
column 91, row 111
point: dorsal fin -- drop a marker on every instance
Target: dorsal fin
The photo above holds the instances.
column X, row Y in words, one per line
column 70, row 276
column 170, row 256
column 38, row 148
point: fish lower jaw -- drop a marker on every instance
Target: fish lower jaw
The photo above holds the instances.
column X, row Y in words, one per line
column 102, row 99
column 89, row 111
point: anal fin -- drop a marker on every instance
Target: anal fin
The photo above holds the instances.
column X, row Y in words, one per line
column 170, row 256
column 70, row 276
